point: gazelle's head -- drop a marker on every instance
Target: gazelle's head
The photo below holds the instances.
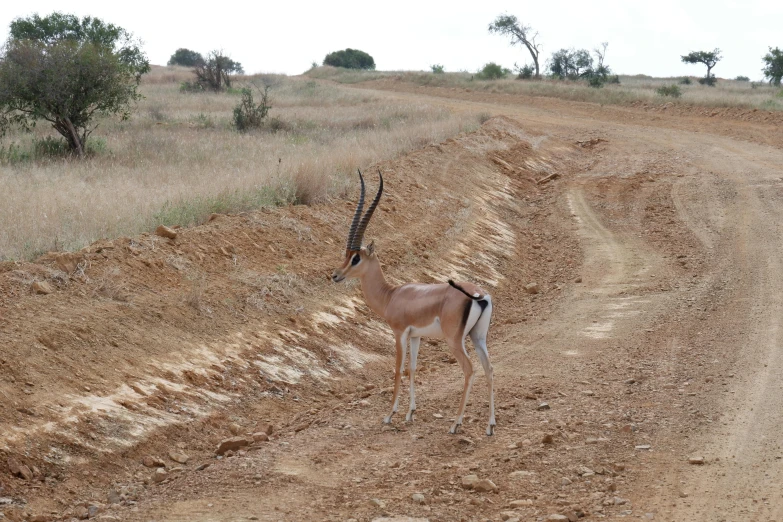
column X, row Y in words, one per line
column 358, row 258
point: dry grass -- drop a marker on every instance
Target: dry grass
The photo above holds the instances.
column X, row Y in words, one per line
column 727, row 93
column 177, row 160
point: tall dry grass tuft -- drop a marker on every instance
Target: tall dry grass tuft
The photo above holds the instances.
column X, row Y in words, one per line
column 177, row 160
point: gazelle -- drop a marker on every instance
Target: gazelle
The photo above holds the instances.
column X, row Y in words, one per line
column 415, row 310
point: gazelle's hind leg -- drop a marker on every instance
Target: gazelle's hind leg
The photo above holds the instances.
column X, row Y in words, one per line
column 480, row 344
column 400, row 342
column 457, row 347
column 478, row 334
column 414, row 354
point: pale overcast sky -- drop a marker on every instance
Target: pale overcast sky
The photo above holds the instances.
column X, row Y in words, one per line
column 287, row 36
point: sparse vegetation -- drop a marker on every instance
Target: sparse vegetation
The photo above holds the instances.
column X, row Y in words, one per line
column 633, row 89
column 350, row 59
column 68, row 71
column 672, row 90
column 742, row 79
column 685, row 81
column 437, row 69
column 708, row 58
column 177, row 160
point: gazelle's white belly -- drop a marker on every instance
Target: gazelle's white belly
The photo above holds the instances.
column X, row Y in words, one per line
column 430, row 330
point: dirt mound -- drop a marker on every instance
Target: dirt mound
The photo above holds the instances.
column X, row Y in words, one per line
column 144, row 343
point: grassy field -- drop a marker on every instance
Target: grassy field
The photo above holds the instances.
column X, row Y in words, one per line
column 177, row 160
column 632, row 89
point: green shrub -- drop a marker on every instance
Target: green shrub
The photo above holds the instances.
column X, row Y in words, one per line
column 614, row 79
column 350, row 59
column 742, row 79
column 709, row 81
column 249, row 114
column 437, row 69
column 672, row 90
column 685, row 81
column 525, row 72
column 491, row 71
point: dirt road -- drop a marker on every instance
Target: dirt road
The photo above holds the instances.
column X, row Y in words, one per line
column 654, row 340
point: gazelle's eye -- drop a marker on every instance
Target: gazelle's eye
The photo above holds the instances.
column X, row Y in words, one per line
column 355, row 260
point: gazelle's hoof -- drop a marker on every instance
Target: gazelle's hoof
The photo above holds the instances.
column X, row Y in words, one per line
column 387, row 419
column 409, row 416
column 454, row 429
column 490, row 430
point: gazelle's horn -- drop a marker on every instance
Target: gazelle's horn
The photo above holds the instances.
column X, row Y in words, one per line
column 356, row 217
column 367, row 215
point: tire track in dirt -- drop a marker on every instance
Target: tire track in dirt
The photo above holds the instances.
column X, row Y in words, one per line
column 741, row 223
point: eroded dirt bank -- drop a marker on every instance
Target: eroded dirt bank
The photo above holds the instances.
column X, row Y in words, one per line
column 653, row 339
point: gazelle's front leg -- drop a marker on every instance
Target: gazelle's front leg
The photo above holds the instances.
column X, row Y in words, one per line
column 414, row 354
column 400, row 341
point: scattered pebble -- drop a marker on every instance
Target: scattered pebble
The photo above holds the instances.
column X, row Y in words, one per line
column 232, row 444
column 696, row 460
column 178, row 456
column 485, row 486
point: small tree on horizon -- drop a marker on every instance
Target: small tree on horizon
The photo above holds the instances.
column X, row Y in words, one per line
column 773, row 68
column 350, row 59
column 67, row 71
column 509, row 25
column 186, row 58
column 708, row 58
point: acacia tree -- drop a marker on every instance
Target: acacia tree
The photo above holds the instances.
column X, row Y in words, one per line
column 67, row 71
column 773, row 66
column 215, row 72
column 509, row 25
column 708, row 58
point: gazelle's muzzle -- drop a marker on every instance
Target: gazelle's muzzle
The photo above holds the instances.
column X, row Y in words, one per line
column 337, row 276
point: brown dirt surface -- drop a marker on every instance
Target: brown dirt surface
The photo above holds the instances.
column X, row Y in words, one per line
column 655, row 339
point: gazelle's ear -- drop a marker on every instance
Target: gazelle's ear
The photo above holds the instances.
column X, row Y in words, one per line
column 371, row 248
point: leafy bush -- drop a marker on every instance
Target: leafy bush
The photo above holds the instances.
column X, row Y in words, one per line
column 186, row 58
column 437, row 69
column 709, row 81
column 350, row 59
column 491, row 71
column 249, row 114
column 742, row 79
column 525, row 72
column 685, row 81
column 614, row 79
column 672, row 90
